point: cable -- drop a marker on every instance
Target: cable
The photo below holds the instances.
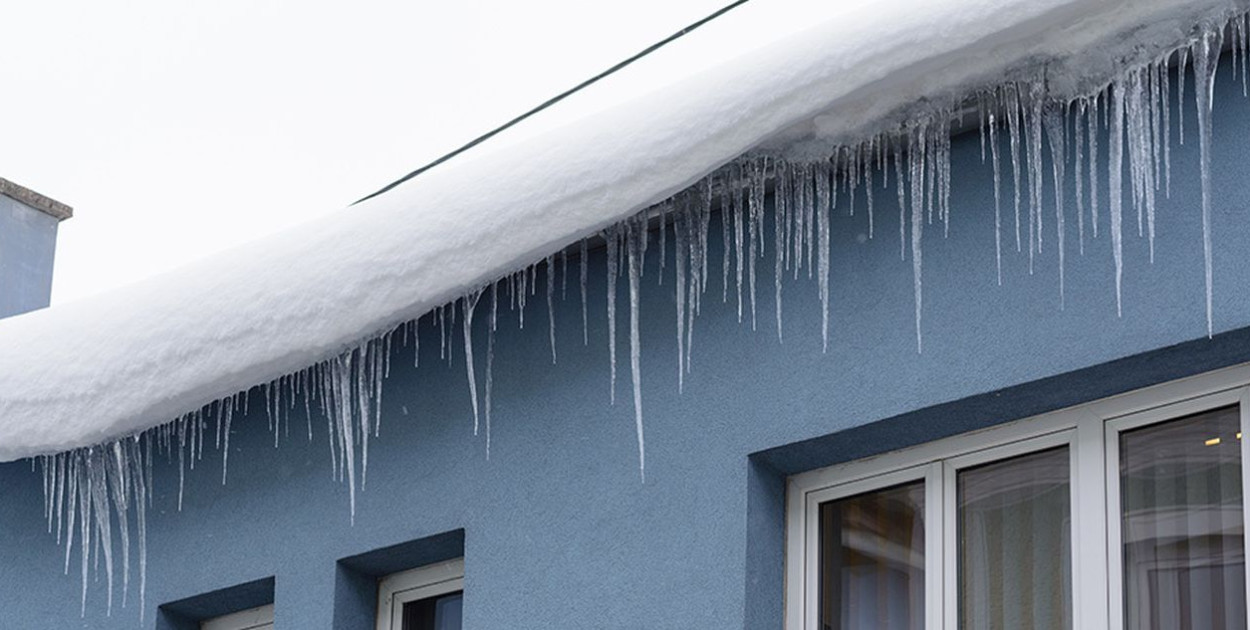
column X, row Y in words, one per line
column 556, row 99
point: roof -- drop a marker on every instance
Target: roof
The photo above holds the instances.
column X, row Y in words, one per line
column 44, row 204
column 783, row 75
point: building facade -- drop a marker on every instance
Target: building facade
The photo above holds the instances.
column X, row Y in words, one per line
column 556, row 529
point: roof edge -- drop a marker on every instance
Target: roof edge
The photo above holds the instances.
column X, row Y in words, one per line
column 42, row 203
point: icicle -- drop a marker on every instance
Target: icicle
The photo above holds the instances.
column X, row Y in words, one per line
column 469, row 304
column 780, row 221
column 1013, row 128
column 681, row 257
column 1092, row 129
column 868, row 177
column 755, row 212
column 808, row 209
column 984, row 122
column 916, row 160
column 998, row 216
column 1206, row 59
column 612, row 236
column 1180, row 92
column 1055, row 131
column 441, row 315
column 824, row 203
column 224, row 415
column 726, row 234
column 1166, row 102
column 635, row 244
column 1078, row 172
column 490, row 356
column 1115, row 188
column 1033, row 118
column 662, row 211
column 902, row 200
column 521, row 295
column 1156, row 125
column 739, row 217
column 551, row 308
column 583, row 264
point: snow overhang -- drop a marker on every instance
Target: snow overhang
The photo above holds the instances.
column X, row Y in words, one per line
column 809, row 74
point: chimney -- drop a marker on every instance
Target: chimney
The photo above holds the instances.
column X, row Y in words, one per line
column 28, row 223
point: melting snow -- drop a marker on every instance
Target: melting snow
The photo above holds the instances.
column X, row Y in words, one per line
column 90, row 388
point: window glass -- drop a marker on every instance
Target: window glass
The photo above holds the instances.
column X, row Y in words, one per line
column 872, row 560
column 1182, row 527
column 434, row 613
column 1014, row 534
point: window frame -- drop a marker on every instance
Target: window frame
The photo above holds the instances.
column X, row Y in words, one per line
column 1091, row 433
column 431, row 580
column 258, row 618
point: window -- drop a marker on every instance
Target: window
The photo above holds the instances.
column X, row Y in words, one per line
column 426, row 598
column 254, row 619
column 1125, row 513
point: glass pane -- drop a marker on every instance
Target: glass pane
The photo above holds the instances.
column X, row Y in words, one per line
column 434, row 613
column 1180, row 494
column 872, row 560
column 1015, row 543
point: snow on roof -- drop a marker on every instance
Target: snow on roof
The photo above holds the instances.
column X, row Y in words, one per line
column 783, row 75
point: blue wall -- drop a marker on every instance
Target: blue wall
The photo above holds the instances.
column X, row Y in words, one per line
column 556, row 528
column 27, row 246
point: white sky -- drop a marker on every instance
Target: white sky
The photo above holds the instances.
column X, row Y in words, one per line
column 179, row 129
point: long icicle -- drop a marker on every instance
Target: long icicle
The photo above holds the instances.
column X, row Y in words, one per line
column 1206, row 58
column 636, row 243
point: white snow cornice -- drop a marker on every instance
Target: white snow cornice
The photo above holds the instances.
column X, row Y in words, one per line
column 771, row 74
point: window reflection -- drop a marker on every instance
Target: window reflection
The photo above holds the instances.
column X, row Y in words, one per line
column 434, row 613
column 872, row 560
column 1182, row 527
column 1015, row 544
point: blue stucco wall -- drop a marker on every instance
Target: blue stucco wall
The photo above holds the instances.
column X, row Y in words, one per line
column 27, row 247
column 556, row 528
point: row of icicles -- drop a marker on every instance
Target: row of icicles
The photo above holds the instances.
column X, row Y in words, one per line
column 88, row 491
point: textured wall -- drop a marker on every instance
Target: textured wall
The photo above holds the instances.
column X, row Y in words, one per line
column 558, row 531
column 27, row 247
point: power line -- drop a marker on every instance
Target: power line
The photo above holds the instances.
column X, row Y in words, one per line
column 559, row 97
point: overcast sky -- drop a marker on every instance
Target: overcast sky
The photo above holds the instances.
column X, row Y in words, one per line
column 179, row 129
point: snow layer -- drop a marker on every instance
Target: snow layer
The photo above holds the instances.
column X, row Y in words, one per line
column 808, row 74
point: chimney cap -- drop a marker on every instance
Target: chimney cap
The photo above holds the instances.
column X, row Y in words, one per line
column 44, row 204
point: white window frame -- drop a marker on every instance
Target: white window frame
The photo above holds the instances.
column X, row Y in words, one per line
column 398, row 589
column 259, row 618
column 1091, row 433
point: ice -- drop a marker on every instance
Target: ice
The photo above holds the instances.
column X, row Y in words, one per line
column 916, row 159
column 469, row 304
column 1033, row 140
column 681, row 262
column 824, row 204
column 583, row 268
column 97, row 482
column 490, row 357
column 636, row 244
column 1056, row 130
column 1078, row 171
column 1013, row 129
column 780, row 223
column 1091, row 127
column 739, row 218
column 612, row 237
column 1115, row 170
column 551, row 308
column 1206, row 52
column 755, row 212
